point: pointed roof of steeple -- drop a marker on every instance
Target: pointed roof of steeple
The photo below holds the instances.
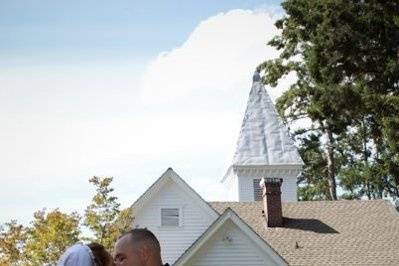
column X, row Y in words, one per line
column 264, row 140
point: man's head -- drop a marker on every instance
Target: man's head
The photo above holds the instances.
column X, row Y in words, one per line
column 138, row 247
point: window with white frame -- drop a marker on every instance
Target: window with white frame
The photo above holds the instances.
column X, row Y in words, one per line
column 170, row 216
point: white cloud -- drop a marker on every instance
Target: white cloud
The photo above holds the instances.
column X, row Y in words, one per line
column 62, row 125
column 212, row 70
column 220, row 55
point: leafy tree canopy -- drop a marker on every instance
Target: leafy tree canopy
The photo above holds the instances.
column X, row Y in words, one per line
column 345, row 55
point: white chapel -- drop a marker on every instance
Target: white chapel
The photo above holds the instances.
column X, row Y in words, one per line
column 259, row 221
column 178, row 215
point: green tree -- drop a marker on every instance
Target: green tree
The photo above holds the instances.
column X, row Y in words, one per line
column 124, row 221
column 317, row 94
column 362, row 174
column 390, row 157
column 49, row 235
column 363, row 52
column 103, row 216
column 345, row 56
column 313, row 179
column 12, row 243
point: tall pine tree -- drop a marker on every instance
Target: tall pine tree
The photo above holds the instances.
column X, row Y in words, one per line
column 345, row 56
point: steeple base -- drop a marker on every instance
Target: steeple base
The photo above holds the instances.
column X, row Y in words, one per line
column 242, row 182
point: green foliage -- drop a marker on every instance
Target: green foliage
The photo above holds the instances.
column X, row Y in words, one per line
column 42, row 242
column 124, row 221
column 103, row 215
column 345, row 55
column 49, row 235
column 12, row 243
column 312, row 181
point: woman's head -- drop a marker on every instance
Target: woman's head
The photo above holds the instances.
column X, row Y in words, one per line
column 86, row 255
column 101, row 255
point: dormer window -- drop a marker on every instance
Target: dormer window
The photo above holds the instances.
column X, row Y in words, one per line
column 170, row 217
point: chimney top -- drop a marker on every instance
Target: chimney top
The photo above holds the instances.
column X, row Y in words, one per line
column 270, row 181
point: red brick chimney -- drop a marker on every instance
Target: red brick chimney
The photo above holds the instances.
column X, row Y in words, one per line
column 271, row 193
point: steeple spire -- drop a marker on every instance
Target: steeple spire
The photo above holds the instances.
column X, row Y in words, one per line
column 263, row 140
column 256, row 77
column 264, row 149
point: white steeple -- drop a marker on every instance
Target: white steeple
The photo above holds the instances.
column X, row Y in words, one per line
column 264, row 149
column 263, row 139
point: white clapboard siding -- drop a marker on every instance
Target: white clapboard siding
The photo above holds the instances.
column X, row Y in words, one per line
column 230, row 246
column 194, row 220
column 289, row 190
column 231, row 186
column 246, row 189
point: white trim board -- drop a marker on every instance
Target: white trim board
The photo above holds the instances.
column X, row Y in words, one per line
column 288, row 170
column 230, row 215
column 171, row 176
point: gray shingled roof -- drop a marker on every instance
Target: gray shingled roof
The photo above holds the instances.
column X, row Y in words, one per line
column 328, row 232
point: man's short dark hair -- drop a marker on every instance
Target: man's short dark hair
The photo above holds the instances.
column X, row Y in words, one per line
column 144, row 237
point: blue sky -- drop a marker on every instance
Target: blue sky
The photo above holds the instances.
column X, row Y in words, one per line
column 34, row 32
column 123, row 89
